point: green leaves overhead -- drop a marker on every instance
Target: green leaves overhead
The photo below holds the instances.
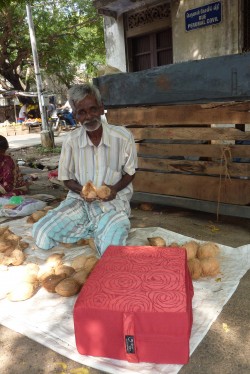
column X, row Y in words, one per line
column 69, row 34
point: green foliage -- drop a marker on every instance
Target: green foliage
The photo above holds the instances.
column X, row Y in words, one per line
column 68, row 33
column 42, row 150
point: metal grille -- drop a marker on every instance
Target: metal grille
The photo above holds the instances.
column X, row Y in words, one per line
column 246, row 26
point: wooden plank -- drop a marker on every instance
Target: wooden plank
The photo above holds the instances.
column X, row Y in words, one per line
column 198, row 150
column 233, row 191
column 189, row 133
column 223, row 78
column 193, row 204
column 179, row 115
column 234, row 169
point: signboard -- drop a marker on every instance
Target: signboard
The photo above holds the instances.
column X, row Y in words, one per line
column 206, row 15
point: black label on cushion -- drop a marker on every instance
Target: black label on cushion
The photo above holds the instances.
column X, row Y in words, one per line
column 130, row 343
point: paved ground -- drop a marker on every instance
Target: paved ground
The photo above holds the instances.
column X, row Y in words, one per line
column 220, row 352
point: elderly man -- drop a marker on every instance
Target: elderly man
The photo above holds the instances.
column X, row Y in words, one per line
column 101, row 153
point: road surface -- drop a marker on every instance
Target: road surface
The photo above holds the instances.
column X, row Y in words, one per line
column 28, row 140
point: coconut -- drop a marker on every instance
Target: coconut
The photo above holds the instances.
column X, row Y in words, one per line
column 64, row 269
column 146, row 207
column 68, row 287
column 89, row 190
column 22, row 291
column 54, row 260
column 44, row 273
column 50, row 282
column 207, row 250
column 191, row 249
column 194, row 267
column 17, row 257
column 103, row 192
column 157, row 241
column 210, row 266
column 90, row 264
column 79, row 262
column 80, row 276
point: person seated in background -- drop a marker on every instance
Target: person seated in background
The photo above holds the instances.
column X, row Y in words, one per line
column 103, row 154
column 11, row 180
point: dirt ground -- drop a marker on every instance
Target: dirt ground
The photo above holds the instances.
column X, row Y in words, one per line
column 218, row 353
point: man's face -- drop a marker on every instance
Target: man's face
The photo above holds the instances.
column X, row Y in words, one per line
column 88, row 113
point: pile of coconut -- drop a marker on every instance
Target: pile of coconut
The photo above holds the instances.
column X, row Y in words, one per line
column 11, row 247
column 201, row 257
column 54, row 275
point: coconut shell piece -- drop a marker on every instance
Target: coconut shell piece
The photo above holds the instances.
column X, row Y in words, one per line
column 89, row 190
column 157, row 241
column 22, row 291
column 207, row 250
column 50, row 282
column 191, row 249
column 210, row 267
column 68, row 287
column 103, row 192
column 80, row 276
column 194, row 267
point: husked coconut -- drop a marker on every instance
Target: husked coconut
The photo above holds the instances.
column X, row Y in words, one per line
column 157, row 241
column 45, row 272
column 80, row 276
column 64, row 269
column 17, row 257
column 55, row 259
column 89, row 190
column 191, row 249
column 90, row 264
column 3, row 229
column 68, row 287
column 207, row 250
column 103, row 192
column 146, row 207
column 210, row 266
column 79, row 262
column 50, row 282
column 194, row 267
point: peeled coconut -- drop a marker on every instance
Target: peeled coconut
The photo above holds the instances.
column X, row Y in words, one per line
column 157, row 241
column 45, row 272
column 68, row 287
column 191, row 249
column 194, row 267
column 146, row 207
column 207, row 250
column 89, row 190
column 103, row 192
column 210, row 266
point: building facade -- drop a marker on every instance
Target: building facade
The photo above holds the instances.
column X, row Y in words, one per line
column 141, row 35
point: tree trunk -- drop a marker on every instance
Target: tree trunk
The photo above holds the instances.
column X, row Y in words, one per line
column 47, row 139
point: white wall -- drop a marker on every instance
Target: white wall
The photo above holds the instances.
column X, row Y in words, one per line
column 114, row 42
column 208, row 41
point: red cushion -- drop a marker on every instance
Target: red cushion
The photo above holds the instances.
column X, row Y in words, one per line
column 136, row 306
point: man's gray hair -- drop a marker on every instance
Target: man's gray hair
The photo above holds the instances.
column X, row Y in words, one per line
column 79, row 91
